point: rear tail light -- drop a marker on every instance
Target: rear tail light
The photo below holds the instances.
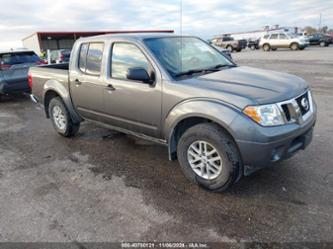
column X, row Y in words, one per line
column 62, row 57
column 4, row 66
column 41, row 62
column 30, row 81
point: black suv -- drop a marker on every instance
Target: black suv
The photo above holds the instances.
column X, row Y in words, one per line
column 320, row 39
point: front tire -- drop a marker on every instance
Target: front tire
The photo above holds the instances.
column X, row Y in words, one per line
column 61, row 120
column 209, row 157
column 266, row 47
column 230, row 48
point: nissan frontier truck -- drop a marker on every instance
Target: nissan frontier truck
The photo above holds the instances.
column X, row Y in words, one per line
column 221, row 121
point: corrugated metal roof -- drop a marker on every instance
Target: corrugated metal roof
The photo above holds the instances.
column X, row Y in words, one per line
column 93, row 33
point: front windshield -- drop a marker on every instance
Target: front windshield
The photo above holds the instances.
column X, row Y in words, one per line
column 186, row 54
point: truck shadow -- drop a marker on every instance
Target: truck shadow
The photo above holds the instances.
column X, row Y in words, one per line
column 146, row 166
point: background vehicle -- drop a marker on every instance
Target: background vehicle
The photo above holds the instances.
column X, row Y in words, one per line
column 253, row 44
column 220, row 120
column 274, row 41
column 223, row 51
column 320, row 39
column 60, row 56
column 14, row 66
column 230, row 43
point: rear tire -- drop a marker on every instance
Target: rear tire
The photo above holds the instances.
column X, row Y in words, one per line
column 322, row 44
column 294, row 46
column 209, row 157
column 61, row 120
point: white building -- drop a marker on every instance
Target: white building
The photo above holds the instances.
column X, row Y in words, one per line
column 256, row 34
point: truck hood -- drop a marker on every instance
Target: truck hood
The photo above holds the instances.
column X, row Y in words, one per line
column 258, row 86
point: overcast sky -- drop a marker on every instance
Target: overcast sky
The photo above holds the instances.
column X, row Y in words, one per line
column 205, row 18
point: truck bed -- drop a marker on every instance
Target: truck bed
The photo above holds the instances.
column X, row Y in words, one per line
column 48, row 74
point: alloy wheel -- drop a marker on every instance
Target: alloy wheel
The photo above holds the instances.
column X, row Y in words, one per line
column 204, row 160
column 59, row 117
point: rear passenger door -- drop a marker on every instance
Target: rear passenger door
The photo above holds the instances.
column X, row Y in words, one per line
column 86, row 81
column 284, row 40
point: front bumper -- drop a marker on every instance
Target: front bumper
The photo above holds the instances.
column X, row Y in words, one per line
column 261, row 147
column 304, row 45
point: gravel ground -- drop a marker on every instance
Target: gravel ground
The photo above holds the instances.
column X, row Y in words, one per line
column 105, row 186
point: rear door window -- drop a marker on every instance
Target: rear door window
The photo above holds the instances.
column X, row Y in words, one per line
column 94, row 58
column 83, row 57
column 90, row 59
column 283, row 36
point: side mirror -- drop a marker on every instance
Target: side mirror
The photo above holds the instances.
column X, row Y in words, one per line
column 138, row 74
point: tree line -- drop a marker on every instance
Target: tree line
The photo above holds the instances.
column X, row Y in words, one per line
column 311, row 30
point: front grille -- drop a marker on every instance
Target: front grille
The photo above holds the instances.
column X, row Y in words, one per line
column 286, row 112
column 305, row 106
column 298, row 109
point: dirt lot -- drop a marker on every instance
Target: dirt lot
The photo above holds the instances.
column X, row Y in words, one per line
column 105, row 186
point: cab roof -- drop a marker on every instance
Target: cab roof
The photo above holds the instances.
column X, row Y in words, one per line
column 130, row 36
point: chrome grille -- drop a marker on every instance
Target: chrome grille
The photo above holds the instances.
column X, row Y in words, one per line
column 300, row 100
column 298, row 109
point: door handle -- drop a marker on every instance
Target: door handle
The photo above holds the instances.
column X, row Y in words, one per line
column 78, row 82
column 110, row 87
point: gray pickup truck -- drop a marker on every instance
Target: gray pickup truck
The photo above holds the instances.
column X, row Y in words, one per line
column 221, row 121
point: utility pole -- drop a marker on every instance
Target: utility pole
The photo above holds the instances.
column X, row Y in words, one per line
column 319, row 27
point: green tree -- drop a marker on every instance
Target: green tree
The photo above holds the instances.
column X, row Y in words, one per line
column 310, row 30
column 324, row 29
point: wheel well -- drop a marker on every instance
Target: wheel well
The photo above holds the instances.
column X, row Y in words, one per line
column 294, row 43
column 181, row 128
column 48, row 96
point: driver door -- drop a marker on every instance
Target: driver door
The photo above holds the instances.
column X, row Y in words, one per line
column 130, row 104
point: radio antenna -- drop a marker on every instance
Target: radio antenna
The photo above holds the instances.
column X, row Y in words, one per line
column 181, row 34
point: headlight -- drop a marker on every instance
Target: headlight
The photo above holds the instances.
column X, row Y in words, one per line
column 266, row 115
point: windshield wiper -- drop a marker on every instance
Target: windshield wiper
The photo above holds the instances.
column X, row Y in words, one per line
column 221, row 66
column 204, row 70
column 190, row 72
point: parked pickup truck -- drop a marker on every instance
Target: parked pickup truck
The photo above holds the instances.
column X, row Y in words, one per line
column 220, row 120
column 230, row 43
